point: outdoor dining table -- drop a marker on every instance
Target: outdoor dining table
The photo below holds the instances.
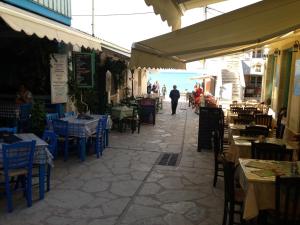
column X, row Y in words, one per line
column 42, row 157
column 240, row 147
column 82, row 129
column 257, row 179
column 120, row 112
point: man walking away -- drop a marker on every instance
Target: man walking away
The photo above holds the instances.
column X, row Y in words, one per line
column 174, row 95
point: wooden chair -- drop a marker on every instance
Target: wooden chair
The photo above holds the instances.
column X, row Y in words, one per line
column 17, row 162
column 279, row 126
column 235, row 109
column 253, row 131
column 218, row 151
column 69, row 114
column 134, row 120
column 25, row 112
column 49, row 118
column 269, row 151
column 233, row 197
column 245, row 118
column 61, row 129
column 12, row 130
column 287, row 203
column 100, row 136
column 242, row 121
column 51, row 138
column 262, row 119
column 250, row 110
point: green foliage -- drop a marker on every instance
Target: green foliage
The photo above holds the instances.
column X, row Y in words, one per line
column 38, row 118
column 90, row 96
column 117, row 68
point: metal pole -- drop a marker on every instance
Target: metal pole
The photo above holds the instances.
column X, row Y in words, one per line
column 205, row 12
column 93, row 18
column 132, row 77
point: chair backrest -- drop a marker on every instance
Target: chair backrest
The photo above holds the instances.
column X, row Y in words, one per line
column 51, row 138
column 241, row 121
column 49, row 118
column 104, row 121
column 269, row 151
column 8, row 129
column 229, row 170
column 18, row 155
column 69, row 114
column 61, row 127
column 216, row 144
column 235, row 109
column 250, row 110
column 101, row 126
column 52, row 116
column 253, row 131
column 25, row 110
column 246, row 116
column 263, row 119
column 287, row 203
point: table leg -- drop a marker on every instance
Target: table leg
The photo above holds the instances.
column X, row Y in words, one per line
column 106, row 137
column 42, row 180
column 82, row 143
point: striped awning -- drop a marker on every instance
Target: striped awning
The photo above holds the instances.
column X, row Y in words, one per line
column 30, row 23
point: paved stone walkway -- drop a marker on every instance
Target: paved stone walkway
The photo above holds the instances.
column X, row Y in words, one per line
column 126, row 187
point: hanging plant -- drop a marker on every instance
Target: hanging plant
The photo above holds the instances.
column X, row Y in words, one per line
column 117, row 68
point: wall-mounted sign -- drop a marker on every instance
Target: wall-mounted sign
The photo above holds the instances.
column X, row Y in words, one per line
column 59, row 78
column 83, row 69
column 297, row 78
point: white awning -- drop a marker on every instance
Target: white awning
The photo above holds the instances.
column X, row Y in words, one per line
column 246, row 28
column 172, row 10
column 21, row 20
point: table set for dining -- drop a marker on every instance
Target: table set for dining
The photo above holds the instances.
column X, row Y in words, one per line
column 258, row 173
column 18, row 162
column 257, row 178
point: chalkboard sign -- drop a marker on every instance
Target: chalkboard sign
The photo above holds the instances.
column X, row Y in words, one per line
column 84, row 69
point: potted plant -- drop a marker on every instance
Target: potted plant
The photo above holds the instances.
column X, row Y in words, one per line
column 38, row 119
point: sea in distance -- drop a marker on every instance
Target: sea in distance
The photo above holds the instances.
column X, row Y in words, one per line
column 184, row 80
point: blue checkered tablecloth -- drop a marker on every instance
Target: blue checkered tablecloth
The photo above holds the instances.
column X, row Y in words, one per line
column 82, row 128
column 41, row 154
column 8, row 110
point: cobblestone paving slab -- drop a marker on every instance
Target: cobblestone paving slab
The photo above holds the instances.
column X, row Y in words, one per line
column 125, row 187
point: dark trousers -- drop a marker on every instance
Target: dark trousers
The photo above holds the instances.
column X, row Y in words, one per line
column 174, row 106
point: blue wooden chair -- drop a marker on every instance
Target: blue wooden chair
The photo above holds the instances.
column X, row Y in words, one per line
column 69, row 114
column 51, row 138
column 8, row 129
column 25, row 111
column 17, row 161
column 61, row 129
column 105, row 131
column 50, row 117
column 99, row 138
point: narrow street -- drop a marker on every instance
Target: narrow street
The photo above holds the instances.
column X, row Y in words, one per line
column 127, row 187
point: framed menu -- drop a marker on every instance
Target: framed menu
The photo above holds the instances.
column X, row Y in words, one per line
column 59, row 78
column 84, row 69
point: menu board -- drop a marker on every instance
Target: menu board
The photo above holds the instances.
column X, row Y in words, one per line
column 83, row 69
column 59, row 78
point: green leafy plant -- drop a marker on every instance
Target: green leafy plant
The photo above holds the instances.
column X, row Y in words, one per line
column 38, row 118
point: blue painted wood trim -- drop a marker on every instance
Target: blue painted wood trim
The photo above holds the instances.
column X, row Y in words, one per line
column 41, row 10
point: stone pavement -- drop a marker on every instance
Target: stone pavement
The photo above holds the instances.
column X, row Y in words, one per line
column 126, row 187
